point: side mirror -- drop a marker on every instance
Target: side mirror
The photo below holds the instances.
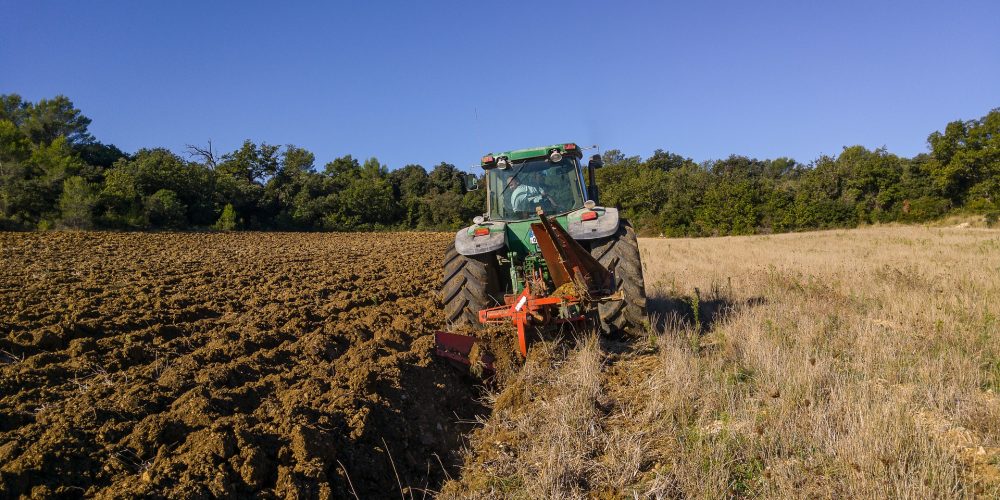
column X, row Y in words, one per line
column 595, row 162
column 471, row 182
column 592, row 166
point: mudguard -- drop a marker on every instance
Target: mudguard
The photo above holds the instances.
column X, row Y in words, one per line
column 606, row 223
column 467, row 243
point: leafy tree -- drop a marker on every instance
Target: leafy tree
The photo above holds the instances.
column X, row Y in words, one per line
column 614, row 157
column 410, row 185
column 165, row 210
column 445, row 211
column 131, row 181
column 295, row 174
column 14, row 145
column 30, row 184
column 101, row 156
column 446, row 178
column 666, row 161
column 50, row 119
column 13, row 109
column 966, row 160
column 251, row 162
column 76, row 204
column 364, row 198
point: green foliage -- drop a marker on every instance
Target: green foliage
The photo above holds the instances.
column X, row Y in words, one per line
column 251, row 162
column 165, row 210
column 14, row 145
column 991, row 218
column 52, row 169
column 227, row 221
column 966, row 159
column 76, row 204
column 51, row 119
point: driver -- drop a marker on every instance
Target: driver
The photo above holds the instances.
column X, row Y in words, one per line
column 524, row 198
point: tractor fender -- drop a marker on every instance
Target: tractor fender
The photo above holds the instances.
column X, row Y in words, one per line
column 606, row 223
column 467, row 243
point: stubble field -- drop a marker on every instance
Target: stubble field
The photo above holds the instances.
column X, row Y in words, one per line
column 838, row 364
column 832, row 364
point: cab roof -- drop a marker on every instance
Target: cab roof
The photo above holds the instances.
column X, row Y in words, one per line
column 566, row 148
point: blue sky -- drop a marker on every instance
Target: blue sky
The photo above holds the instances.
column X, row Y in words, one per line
column 425, row 82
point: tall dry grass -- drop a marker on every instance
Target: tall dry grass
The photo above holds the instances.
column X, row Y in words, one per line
column 841, row 364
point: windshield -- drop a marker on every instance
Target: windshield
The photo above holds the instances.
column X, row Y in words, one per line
column 516, row 191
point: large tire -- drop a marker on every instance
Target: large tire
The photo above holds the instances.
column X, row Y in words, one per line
column 622, row 249
column 471, row 283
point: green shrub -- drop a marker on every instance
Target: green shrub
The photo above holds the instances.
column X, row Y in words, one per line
column 76, row 204
column 926, row 208
column 163, row 209
column 991, row 218
column 227, row 221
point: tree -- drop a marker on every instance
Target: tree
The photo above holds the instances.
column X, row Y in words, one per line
column 227, row 221
column 165, row 210
column 76, row 204
column 31, row 185
column 666, row 161
column 966, row 160
column 410, row 185
column 251, row 162
column 131, row 181
column 295, row 173
column 297, row 160
column 363, row 196
column 50, row 119
column 13, row 109
column 14, row 145
column 446, row 178
column 99, row 155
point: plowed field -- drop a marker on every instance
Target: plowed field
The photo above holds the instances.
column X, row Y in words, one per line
column 189, row 365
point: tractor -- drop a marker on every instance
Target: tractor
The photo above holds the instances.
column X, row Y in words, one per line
column 545, row 254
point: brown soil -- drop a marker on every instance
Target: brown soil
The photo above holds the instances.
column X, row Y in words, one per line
column 191, row 365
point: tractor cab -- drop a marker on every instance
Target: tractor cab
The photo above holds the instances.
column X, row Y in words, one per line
column 519, row 181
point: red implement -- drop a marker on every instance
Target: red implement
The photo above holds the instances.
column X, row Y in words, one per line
column 578, row 278
column 528, row 310
column 457, row 348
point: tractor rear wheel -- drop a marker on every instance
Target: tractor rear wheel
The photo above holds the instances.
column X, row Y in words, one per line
column 619, row 253
column 471, row 283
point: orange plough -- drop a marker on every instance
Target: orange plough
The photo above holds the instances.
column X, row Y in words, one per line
column 578, row 284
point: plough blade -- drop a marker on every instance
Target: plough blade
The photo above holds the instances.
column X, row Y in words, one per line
column 458, row 349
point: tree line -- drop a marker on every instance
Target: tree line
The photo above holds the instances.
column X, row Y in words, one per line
column 55, row 174
column 675, row 196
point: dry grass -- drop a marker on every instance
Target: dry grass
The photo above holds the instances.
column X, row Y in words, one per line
column 862, row 363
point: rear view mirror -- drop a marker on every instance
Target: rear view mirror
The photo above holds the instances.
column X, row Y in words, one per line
column 471, row 182
column 595, row 162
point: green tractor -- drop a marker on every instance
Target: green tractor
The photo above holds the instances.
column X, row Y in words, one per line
column 545, row 253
